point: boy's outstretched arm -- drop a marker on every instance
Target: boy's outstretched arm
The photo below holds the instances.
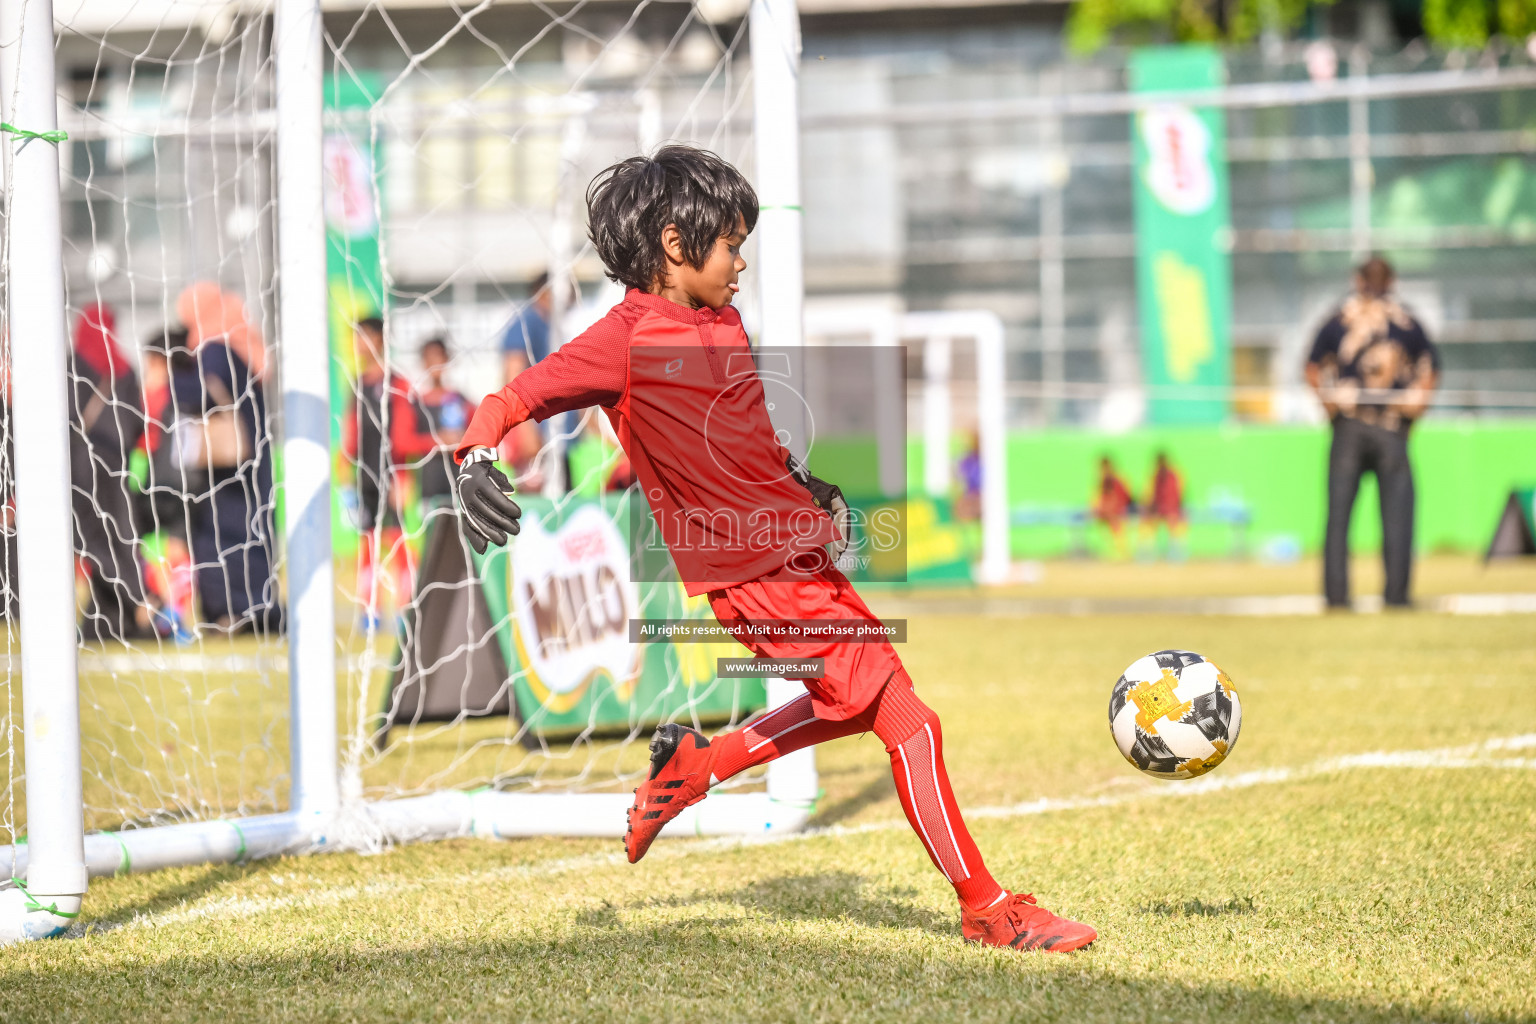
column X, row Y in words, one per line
column 591, row 369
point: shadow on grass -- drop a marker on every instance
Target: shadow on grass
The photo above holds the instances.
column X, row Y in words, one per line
column 878, row 789
column 830, row 896
column 173, row 893
column 693, row 969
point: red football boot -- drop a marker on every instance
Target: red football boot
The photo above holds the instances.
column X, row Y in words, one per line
column 1019, row 923
column 680, row 766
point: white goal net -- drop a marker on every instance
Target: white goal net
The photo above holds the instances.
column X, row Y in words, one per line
column 458, row 142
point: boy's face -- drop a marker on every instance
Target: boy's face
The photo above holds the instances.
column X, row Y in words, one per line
column 152, row 369
column 368, row 348
column 434, row 361
column 713, row 284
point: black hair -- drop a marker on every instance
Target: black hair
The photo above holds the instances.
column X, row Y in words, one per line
column 171, row 344
column 439, row 342
column 1376, row 274
column 373, row 325
column 632, row 202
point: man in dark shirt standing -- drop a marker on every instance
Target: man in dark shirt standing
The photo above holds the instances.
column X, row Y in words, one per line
column 1374, row 370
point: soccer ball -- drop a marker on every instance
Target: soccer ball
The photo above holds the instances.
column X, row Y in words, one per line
column 1174, row 715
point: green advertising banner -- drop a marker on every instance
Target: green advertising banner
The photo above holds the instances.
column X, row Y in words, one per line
column 353, row 264
column 561, row 600
column 1183, row 237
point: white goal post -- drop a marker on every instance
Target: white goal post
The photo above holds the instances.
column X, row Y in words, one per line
column 935, row 332
column 35, row 344
column 332, row 801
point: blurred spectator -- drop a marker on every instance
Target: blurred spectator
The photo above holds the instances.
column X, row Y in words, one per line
column 1374, row 370
column 106, row 422
column 1113, row 504
column 1165, row 506
column 221, row 437
column 444, row 413
column 211, row 312
column 10, row 599
column 525, row 340
column 968, row 504
column 383, row 437
column 155, row 380
column 162, row 503
column 162, row 511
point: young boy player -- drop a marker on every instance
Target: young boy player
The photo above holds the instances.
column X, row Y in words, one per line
column 740, row 524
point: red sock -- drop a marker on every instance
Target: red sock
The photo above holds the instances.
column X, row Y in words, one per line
column 910, row 731
column 912, row 737
column 789, row 727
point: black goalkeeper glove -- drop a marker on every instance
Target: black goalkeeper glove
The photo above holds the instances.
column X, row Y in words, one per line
column 486, row 507
column 827, row 497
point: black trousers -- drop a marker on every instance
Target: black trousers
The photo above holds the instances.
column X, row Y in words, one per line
column 232, row 549
column 107, row 543
column 1359, row 448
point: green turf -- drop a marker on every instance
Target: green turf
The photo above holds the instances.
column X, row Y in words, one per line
column 1392, row 893
column 1433, row 576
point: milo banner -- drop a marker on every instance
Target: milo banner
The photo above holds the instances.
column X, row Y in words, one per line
column 540, row 630
column 1183, row 237
column 353, row 267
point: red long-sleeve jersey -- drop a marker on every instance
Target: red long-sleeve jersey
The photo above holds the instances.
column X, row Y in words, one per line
column 680, row 387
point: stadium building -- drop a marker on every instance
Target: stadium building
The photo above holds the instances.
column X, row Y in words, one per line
column 951, row 161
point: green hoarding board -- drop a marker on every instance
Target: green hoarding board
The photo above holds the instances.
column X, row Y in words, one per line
column 1183, row 237
column 353, row 264
column 561, row 598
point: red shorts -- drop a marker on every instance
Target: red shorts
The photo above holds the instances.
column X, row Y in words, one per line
column 856, row 672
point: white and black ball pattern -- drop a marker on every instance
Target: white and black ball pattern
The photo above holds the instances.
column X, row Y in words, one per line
column 1174, row 715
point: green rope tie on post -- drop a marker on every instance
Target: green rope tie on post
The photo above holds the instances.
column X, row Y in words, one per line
column 55, row 136
column 810, row 805
column 124, row 862
column 240, row 853
column 32, row 904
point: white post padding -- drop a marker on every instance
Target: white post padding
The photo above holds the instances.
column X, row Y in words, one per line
column 793, row 785
column 306, row 376
column 56, row 875
column 985, row 328
column 938, row 330
column 774, row 26
column 775, row 41
column 936, row 416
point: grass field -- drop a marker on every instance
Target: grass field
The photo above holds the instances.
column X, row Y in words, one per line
column 1302, row 883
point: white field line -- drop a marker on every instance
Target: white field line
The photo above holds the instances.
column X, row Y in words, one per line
column 1479, row 755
